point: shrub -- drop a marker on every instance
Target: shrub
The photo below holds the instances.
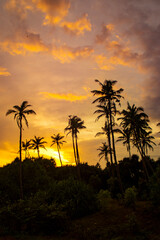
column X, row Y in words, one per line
column 130, row 197
column 75, row 197
column 28, row 217
column 104, row 198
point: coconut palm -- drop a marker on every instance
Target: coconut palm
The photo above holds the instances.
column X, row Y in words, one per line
column 57, row 139
column 109, row 97
column 74, row 125
column 103, row 111
column 136, row 120
column 20, row 113
column 38, row 143
column 126, row 138
column 104, row 151
column 25, row 147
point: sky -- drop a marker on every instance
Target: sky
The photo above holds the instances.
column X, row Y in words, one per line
column 51, row 51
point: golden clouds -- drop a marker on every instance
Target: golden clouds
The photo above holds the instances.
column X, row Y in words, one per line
column 66, row 54
column 55, row 10
column 4, row 72
column 103, row 63
column 21, row 48
column 67, row 97
column 78, row 27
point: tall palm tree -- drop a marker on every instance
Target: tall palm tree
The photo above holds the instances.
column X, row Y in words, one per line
column 37, row 143
column 126, row 138
column 104, row 151
column 106, row 131
column 25, row 147
column 57, row 139
column 20, row 113
column 136, row 120
column 109, row 97
column 74, row 125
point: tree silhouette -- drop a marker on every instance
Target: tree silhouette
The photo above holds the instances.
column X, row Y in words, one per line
column 136, row 120
column 26, row 146
column 57, row 139
column 38, row 143
column 20, row 113
column 104, row 151
column 126, row 138
column 108, row 97
column 74, row 125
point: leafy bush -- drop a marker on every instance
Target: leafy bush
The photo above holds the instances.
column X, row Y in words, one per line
column 76, row 198
column 154, row 187
column 28, row 217
column 130, row 197
column 104, row 198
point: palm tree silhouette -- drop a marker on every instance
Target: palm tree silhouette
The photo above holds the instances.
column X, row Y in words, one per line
column 126, row 138
column 20, row 113
column 136, row 120
column 38, row 143
column 57, row 139
column 108, row 97
column 74, row 125
column 25, row 147
column 104, row 151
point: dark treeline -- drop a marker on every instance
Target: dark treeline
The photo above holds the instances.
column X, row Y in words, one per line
column 37, row 197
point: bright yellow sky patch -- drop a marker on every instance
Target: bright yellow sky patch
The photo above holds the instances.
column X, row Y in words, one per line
column 4, row 72
column 67, row 97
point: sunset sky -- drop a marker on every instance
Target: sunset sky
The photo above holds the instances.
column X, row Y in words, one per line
column 51, row 51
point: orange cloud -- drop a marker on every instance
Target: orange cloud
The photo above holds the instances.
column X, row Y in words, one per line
column 78, row 27
column 21, row 48
column 55, row 10
column 67, row 97
column 66, row 54
column 19, row 6
column 103, row 62
column 4, row 72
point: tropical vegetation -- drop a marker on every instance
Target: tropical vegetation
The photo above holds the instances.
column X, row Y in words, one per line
column 82, row 201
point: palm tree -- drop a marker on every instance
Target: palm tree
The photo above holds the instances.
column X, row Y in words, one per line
column 38, row 143
column 57, row 139
column 126, row 138
column 106, row 131
column 104, row 151
column 137, row 121
column 20, row 113
column 26, row 146
column 109, row 97
column 74, row 125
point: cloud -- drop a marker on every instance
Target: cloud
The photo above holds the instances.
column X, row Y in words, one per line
column 67, row 54
column 4, row 72
column 22, row 43
column 105, row 33
column 55, row 10
column 103, row 62
column 78, row 27
column 67, row 97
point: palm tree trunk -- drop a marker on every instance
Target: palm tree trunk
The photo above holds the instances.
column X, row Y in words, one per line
column 129, row 151
column 78, row 158
column 109, row 142
column 114, row 151
column 59, row 155
column 20, row 162
column 38, row 152
column 75, row 157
